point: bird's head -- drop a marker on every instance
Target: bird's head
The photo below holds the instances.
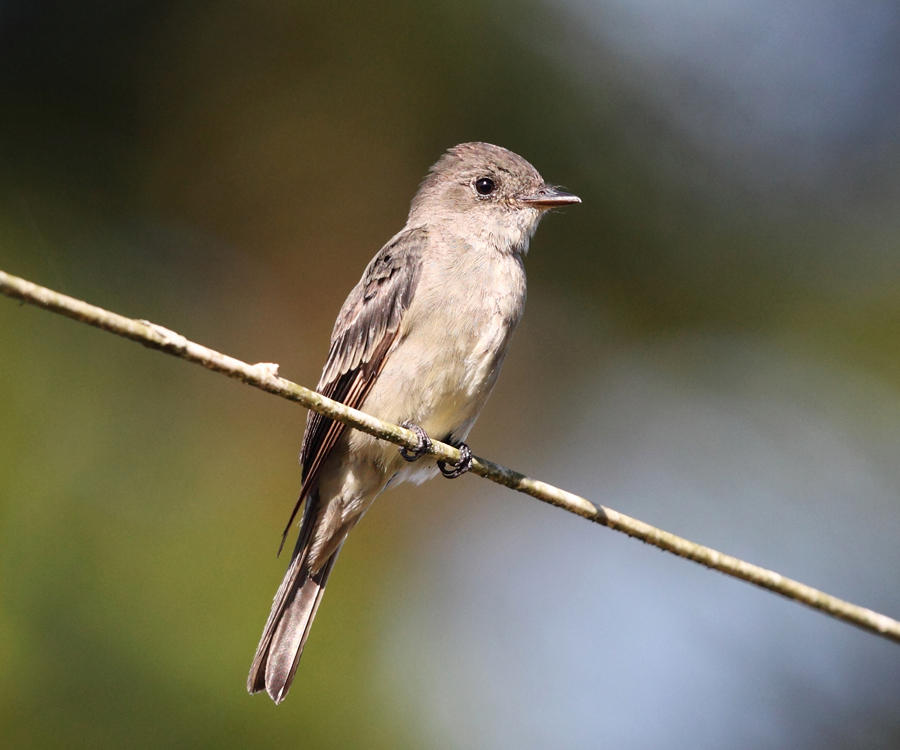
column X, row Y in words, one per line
column 482, row 190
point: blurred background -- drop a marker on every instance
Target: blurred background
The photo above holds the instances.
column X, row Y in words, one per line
column 710, row 344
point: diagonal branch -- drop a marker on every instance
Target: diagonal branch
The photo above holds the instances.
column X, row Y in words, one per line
column 265, row 376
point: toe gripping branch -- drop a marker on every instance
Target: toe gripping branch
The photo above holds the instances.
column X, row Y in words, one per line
column 449, row 470
column 421, row 449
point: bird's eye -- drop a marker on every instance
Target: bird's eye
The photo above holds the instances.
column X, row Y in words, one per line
column 484, row 185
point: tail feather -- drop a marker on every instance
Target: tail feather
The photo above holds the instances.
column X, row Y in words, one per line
column 290, row 636
column 293, row 610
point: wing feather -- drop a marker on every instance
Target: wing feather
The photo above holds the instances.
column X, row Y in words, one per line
column 363, row 334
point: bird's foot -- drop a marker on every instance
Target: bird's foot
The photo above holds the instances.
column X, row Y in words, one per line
column 421, row 449
column 451, row 471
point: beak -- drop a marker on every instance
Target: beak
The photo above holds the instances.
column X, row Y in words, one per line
column 548, row 196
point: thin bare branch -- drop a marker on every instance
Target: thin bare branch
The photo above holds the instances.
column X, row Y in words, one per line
column 265, row 376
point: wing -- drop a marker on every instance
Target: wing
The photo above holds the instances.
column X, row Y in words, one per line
column 364, row 331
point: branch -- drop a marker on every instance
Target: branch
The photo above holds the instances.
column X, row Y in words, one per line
column 265, row 376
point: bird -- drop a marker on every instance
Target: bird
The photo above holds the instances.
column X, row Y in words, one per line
column 419, row 341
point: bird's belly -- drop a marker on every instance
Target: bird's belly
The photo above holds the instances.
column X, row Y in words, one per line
column 439, row 376
column 440, row 380
column 447, row 355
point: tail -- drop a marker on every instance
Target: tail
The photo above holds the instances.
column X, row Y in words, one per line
column 287, row 628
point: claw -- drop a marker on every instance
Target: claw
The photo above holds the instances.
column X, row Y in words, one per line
column 451, row 471
column 421, row 449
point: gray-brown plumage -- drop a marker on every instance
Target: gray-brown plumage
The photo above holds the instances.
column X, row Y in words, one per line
column 420, row 339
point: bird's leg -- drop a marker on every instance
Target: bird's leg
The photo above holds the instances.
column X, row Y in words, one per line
column 421, row 449
column 451, row 471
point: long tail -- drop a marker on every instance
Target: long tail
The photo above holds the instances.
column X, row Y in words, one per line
column 287, row 628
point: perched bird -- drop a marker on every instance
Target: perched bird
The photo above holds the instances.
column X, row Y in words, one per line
column 419, row 341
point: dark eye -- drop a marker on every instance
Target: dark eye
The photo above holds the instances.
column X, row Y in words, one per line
column 484, row 185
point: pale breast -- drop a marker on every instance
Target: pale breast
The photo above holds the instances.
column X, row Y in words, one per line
column 452, row 343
